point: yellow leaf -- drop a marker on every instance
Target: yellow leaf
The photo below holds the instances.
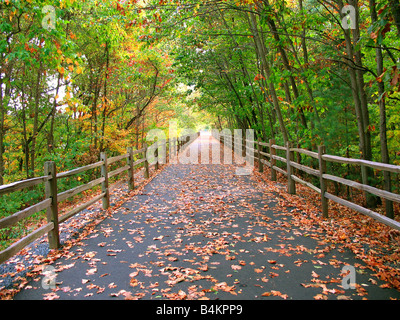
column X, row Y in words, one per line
column 71, row 68
column 79, row 70
column 69, row 61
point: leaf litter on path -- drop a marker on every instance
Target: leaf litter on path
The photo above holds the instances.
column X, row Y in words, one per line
column 204, row 233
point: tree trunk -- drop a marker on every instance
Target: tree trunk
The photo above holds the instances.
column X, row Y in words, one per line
column 105, row 102
column 2, row 131
column 354, row 64
column 285, row 61
column 94, row 114
column 50, row 139
column 25, row 144
column 262, row 53
column 382, row 115
column 2, row 134
column 35, row 120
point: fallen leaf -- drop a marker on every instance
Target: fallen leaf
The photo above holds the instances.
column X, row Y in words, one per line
column 182, row 295
column 203, row 267
column 275, row 293
column 172, row 259
column 343, row 297
column 50, row 296
column 133, row 282
column 91, row 271
column 320, row 297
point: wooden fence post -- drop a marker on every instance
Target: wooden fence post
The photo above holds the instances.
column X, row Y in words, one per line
column 131, row 176
column 52, row 211
column 272, row 152
column 175, row 148
column 104, row 184
column 244, row 144
column 146, row 162
column 156, row 166
column 163, row 154
column 170, row 150
column 322, row 171
column 290, row 157
column 166, row 151
column 260, row 164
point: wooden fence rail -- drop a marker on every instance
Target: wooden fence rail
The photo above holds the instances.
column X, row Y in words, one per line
column 323, row 159
column 52, row 197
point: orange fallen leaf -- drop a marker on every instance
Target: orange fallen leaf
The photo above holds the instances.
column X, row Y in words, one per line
column 134, row 282
column 182, row 295
column 203, row 267
column 50, row 296
column 275, row 293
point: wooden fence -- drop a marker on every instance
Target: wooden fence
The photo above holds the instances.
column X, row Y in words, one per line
column 270, row 159
column 52, row 197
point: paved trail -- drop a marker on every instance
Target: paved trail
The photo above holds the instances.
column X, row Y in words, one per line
column 200, row 231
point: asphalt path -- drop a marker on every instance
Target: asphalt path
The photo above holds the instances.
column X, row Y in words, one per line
column 200, row 231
